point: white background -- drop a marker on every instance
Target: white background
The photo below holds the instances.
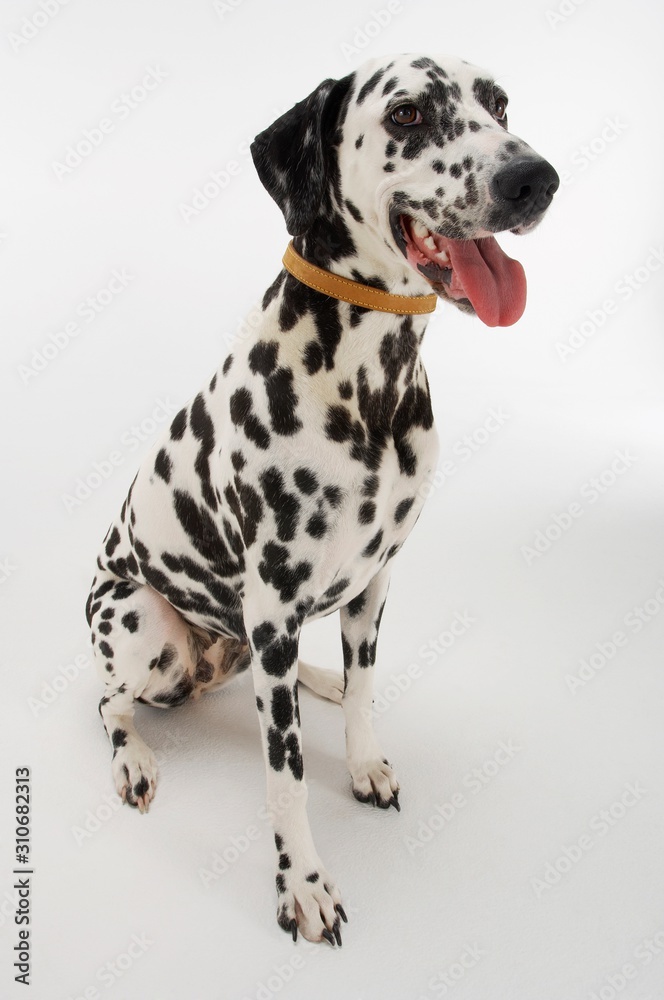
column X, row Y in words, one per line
column 478, row 882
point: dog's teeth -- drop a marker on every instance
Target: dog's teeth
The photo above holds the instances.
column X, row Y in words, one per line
column 430, row 243
column 443, row 256
column 419, row 230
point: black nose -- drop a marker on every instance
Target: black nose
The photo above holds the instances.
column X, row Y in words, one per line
column 526, row 185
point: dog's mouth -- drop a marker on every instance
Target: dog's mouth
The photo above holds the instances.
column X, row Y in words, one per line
column 474, row 274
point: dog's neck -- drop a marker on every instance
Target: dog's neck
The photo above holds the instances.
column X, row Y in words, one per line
column 373, row 355
column 352, row 249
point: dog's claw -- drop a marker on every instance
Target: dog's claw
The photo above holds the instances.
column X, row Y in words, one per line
column 293, row 929
column 328, row 936
column 394, row 801
column 361, row 797
column 336, row 930
column 342, row 913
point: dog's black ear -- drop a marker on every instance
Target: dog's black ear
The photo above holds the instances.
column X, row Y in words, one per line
column 292, row 154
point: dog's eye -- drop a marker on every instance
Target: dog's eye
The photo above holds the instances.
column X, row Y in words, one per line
column 500, row 110
column 406, row 114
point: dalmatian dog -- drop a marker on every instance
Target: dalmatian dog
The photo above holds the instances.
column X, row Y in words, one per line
column 284, row 489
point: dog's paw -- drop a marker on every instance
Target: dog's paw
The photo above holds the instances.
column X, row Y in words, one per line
column 135, row 775
column 376, row 782
column 327, row 684
column 311, row 904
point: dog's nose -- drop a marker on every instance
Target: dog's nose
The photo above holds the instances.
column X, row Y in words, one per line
column 526, row 184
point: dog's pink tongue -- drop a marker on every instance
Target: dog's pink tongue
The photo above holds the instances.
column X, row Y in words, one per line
column 494, row 283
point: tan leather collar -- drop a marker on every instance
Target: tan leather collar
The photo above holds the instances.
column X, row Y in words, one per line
column 353, row 291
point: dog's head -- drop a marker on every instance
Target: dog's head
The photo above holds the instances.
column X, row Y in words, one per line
column 406, row 168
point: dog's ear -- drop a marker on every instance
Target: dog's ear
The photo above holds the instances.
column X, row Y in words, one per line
column 292, row 154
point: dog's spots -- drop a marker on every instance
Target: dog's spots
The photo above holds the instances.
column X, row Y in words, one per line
column 313, row 357
column 338, row 426
column 357, row 605
column 295, row 761
column 251, row 513
column 204, row 536
column 273, row 290
column 354, row 210
column 282, row 707
column 347, row 653
column 203, row 430
column 282, row 402
column 372, row 547
column 263, row 357
column 119, row 738
column 130, row 621
column 306, row 481
column 105, row 649
column 169, row 655
column 241, row 411
column 163, row 465
column 359, row 141
column 316, row 526
column 276, row 749
column 402, row 509
column 276, row 569
column 333, row 495
column 367, row 512
column 176, row 695
column 179, row 425
column 113, row 542
column 285, row 505
column 370, row 486
column 370, row 85
column 366, row 654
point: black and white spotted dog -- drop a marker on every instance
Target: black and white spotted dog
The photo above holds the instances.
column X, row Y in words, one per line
column 283, row 490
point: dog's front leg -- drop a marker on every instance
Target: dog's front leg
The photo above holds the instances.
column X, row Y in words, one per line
column 373, row 778
column 308, row 899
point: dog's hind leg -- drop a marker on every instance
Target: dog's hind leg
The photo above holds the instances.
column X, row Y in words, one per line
column 145, row 651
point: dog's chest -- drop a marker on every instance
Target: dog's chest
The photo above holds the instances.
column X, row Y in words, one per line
column 375, row 517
